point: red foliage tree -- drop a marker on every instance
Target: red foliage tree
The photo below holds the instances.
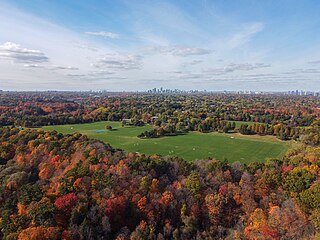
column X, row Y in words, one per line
column 66, row 202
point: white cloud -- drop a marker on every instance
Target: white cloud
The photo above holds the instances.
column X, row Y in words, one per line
column 236, row 67
column 180, row 51
column 104, row 34
column 121, row 61
column 33, row 66
column 64, row 68
column 246, row 34
column 101, row 72
column 192, row 63
column 183, row 52
column 314, row 62
column 16, row 53
column 302, row 70
column 75, row 75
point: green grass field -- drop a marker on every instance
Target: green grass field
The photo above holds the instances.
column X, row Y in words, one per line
column 191, row 146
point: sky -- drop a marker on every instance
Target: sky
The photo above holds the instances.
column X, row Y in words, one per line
column 130, row 45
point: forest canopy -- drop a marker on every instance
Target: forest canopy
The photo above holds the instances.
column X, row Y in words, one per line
column 71, row 187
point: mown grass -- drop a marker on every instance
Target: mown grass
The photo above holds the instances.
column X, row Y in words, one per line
column 191, row 146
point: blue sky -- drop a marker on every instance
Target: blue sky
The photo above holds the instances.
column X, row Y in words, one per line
column 138, row 45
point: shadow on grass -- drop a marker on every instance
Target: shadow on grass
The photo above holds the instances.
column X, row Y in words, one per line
column 166, row 135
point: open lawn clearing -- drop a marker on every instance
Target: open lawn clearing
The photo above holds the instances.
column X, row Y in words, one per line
column 191, row 146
